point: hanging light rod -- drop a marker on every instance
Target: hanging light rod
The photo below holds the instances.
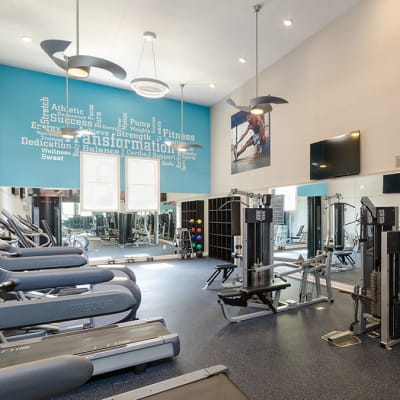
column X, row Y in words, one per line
column 68, row 132
column 260, row 104
column 78, row 66
column 152, row 88
column 182, row 146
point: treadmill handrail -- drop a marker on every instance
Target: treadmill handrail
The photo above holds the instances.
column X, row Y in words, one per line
column 36, row 280
column 39, row 251
column 44, row 378
column 65, row 308
column 43, row 262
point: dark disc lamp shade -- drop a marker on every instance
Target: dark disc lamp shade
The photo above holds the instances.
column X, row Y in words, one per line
column 262, row 104
column 78, row 66
column 185, row 146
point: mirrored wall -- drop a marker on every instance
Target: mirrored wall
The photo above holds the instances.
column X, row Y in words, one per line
column 291, row 237
column 148, row 234
column 103, row 234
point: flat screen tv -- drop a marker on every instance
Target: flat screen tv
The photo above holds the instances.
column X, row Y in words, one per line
column 334, row 157
column 391, row 183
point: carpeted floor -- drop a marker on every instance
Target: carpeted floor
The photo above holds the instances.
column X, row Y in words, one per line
column 276, row 357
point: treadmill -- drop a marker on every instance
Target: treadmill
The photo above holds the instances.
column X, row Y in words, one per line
column 212, row 383
column 110, row 348
column 129, row 344
column 59, row 375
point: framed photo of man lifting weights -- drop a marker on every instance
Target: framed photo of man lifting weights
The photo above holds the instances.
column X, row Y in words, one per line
column 250, row 141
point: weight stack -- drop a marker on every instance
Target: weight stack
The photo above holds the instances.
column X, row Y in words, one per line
column 378, row 294
column 372, row 305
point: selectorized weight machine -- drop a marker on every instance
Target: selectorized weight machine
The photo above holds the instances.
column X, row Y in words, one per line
column 376, row 299
column 262, row 285
column 336, row 233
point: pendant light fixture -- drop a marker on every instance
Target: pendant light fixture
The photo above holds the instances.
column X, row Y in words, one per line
column 152, row 88
column 260, row 104
column 67, row 132
column 78, row 66
column 182, row 146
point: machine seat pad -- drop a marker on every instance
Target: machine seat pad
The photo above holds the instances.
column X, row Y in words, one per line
column 233, row 297
column 225, row 266
column 254, row 290
column 342, row 253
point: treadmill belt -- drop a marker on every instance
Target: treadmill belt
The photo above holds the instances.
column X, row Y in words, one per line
column 82, row 342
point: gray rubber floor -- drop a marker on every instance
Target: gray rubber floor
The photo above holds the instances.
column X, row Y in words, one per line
column 98, row 248
column 276, row 357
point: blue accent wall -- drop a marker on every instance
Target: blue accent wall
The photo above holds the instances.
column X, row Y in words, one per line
column 313, row 189
column 33, row 103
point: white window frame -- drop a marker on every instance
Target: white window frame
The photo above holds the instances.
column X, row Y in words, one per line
column 142, row 192
column 100, row 174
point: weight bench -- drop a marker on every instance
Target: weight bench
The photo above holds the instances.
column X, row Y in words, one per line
column 226, row 270
column 245, row 296
column 345, row 257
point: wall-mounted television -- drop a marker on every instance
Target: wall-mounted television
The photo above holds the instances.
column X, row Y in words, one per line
column 334, row 157
column 391, row 183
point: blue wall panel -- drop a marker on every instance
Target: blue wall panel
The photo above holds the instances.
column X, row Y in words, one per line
column 313, row 189
column 32, row 104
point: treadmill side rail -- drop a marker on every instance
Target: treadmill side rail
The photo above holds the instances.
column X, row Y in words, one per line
column 135, row 354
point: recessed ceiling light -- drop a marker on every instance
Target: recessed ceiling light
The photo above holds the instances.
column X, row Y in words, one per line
column 26, row 38
column 242, row 60
column 288, row 22
column 212, row 85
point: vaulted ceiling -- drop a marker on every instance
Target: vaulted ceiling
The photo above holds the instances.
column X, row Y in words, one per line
column 198, row 41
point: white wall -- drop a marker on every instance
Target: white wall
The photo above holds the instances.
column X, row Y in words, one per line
column 13, row 204
column 299, row 217
column 344, row 78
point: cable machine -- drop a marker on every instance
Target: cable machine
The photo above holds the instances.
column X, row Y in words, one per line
column 390, row 285
column 262, row 285
column 376, row 299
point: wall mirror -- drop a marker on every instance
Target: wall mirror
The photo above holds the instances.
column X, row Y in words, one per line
column 103, row 234
column 290, row 239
